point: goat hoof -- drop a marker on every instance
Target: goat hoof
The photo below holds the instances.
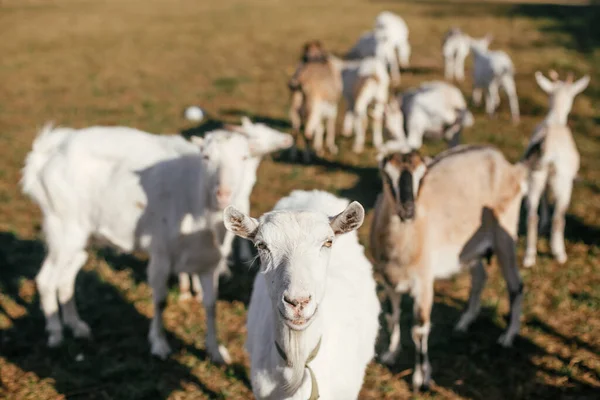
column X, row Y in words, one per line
column 529, row 261
column 389, row 357
column 505, row 340
column 55, row 339
column 81, row 330
column 183, row 297
column 462, row 326
column 220, row 356
column 160, row 348
column 561, row 258
column 421, row 380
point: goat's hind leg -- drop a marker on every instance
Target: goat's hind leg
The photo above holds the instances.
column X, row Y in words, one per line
column 537, row 185
column 562, row 187
column 478, row 280
column 66, row 296
column 505, row 249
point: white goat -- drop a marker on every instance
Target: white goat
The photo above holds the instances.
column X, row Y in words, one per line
column 434, row 110
column 493, row 70
column 137, row 191
column 375, row 44
column 455, row 49
column 313, row 315
column 558, row 164
column 392, row 27
column 364, row 82
column 433, row 221
column 262, row 140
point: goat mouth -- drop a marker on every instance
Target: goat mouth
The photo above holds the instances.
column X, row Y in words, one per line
column 298, row 324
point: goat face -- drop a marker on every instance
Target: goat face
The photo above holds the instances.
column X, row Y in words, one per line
column 225, row 156
column 263, row 139
column 481, row 45
column 313, row 51
column 561, row 93
column 402, row 173
column 294, row 250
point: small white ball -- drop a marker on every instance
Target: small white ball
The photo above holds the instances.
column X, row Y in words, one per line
column 194, row 113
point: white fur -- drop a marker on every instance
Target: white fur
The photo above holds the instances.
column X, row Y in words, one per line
column 455, row 50
column 344, row 305
column 136, row 191
column 558, row 165
column 433, row 110
column 375, row 44
column 374, row 91
column 394, row 29
column 493, row 70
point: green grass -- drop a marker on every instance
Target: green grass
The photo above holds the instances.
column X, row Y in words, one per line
column 140, row 63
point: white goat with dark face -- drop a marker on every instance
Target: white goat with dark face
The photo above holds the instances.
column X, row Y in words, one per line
column 493, row 70
column 558, row 164
column 262, row 140
column 313, row 315
column 455, row 49
column 135, row 190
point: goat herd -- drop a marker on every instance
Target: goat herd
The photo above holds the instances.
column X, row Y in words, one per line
column 314, row 314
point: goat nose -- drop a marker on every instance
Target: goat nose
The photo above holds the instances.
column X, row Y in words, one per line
column 223, row 192
column 296, row 302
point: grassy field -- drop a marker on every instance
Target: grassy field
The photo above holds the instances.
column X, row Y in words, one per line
column 140, row 62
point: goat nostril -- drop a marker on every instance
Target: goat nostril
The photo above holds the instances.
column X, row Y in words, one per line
column 292, row 302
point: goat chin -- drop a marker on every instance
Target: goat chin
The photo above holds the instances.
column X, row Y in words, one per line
column 295, row 350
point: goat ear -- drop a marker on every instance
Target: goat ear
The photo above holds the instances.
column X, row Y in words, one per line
column 580, row 85
column 544, row 83
column 239, row 223
column 198, row 141
column 348, row 220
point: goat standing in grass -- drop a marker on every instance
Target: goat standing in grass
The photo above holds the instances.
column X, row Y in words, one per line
column 434, row 110
column 433, row 221
column 558, row 164
column 313, row 315
column 316, row 88
column 135, row 190
column 262, row 140
column 493, row 70
column 455, row 49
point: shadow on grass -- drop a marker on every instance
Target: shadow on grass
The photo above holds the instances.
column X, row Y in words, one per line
column 473, row 365
column 116, row 362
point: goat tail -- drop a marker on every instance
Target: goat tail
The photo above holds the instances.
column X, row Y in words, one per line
column 45, row 144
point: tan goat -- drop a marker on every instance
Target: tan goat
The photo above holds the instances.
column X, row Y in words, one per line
column 316, row 90
column 557, row 166
column 433, row 221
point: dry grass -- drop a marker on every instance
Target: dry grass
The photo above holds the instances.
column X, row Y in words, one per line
column 139, row 62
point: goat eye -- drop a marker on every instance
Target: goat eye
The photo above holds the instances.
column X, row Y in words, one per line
column 261, row 246
column 328, row 243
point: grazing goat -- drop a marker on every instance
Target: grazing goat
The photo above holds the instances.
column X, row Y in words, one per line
column 492, row 70
column 160, row 194
column 262, row 140
column 434, row 110
column 455, row 49
column 313, row 315
column 558, row 164
column 433, row 221
column 365, row 82
column 316, row 88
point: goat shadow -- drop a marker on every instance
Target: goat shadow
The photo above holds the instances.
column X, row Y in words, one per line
column 115, row 363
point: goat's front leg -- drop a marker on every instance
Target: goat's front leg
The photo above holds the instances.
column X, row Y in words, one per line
column 184, row 286
column 393, row 325
column 348, row 123
column 537, row 185
column 420, row 333
column 210, row 285
column 158, row 275
column 477, row 94
column 377, row 115
column 491, row 99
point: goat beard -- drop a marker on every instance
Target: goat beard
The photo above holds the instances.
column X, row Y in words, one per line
column 294, row 346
